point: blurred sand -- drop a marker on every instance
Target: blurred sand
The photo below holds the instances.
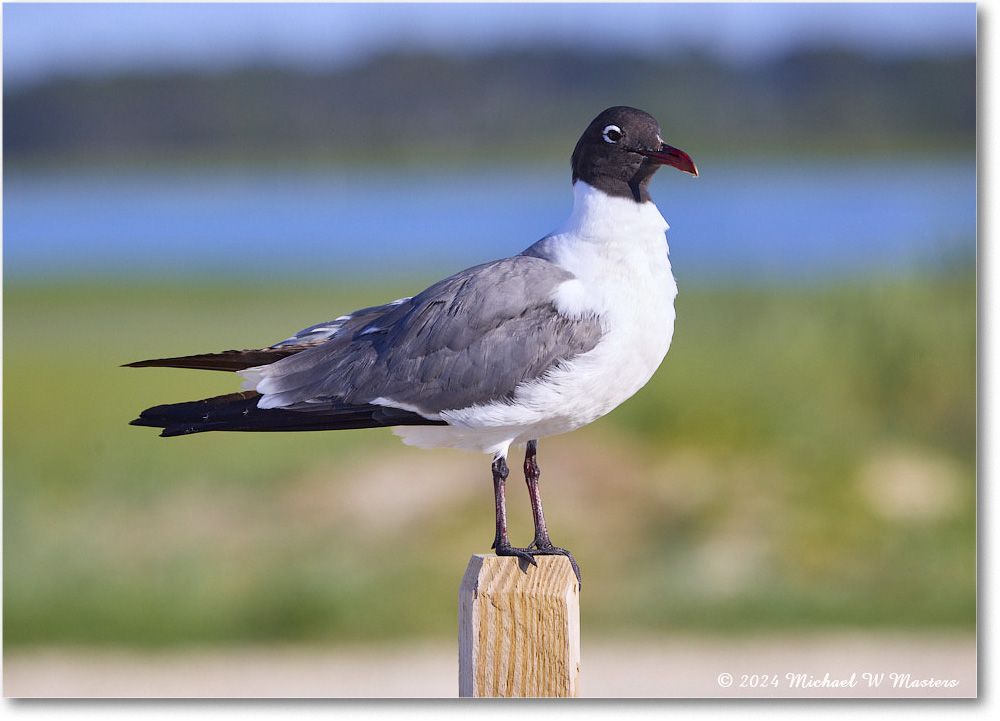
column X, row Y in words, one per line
column 671, row 667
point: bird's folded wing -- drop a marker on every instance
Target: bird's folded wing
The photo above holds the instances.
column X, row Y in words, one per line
column 469, row 339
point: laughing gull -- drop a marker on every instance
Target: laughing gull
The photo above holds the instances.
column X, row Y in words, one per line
column 500, row 354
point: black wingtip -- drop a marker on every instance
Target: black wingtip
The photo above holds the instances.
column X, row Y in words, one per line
column 169, row 431
column 146, row 423
column 174, row 431
column 239, row 412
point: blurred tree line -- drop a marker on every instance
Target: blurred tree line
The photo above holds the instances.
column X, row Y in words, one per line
column 416, row 106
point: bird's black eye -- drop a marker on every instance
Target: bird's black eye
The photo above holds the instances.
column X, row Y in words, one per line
column 612, row 134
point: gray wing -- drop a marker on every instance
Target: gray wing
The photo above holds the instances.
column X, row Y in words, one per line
column 468, row 339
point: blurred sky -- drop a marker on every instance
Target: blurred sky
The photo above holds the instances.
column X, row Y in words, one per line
column 41, row 39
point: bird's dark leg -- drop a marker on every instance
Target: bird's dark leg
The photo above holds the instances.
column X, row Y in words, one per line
column 501, row 543
column 543, row 546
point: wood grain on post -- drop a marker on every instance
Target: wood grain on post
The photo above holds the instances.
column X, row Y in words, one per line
column 518, row 628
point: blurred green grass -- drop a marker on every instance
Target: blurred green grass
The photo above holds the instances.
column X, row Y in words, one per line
column 806, row 457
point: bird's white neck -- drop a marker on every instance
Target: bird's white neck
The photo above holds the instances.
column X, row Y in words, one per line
column 600, row 217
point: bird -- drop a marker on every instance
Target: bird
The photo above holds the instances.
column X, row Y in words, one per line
column 495, row 356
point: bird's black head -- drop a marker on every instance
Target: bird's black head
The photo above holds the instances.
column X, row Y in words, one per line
column 621, row 149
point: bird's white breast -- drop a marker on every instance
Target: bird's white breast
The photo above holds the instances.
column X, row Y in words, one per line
column 617, row 251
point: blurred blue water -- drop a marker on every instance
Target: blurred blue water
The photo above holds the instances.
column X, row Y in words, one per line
column 747, row 220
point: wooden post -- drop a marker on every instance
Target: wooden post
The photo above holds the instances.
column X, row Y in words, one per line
column 518, row 628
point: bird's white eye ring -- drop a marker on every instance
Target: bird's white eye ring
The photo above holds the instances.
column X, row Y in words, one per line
column 612, row 134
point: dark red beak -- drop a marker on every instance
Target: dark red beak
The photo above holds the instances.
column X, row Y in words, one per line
column 673, row 157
